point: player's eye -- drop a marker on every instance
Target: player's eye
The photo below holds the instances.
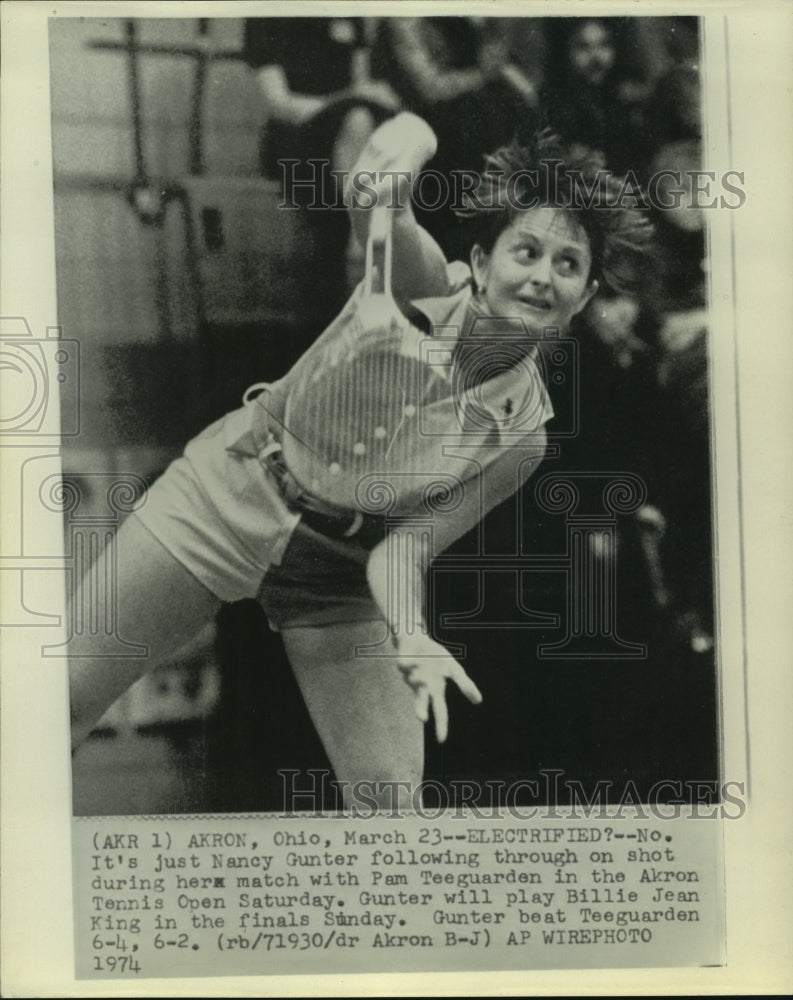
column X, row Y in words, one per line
column 526, row 252
column 569, row 264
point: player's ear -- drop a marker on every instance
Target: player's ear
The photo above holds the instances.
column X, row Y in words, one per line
column 480, row 263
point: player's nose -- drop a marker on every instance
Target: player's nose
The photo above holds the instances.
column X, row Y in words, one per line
column 540, row 274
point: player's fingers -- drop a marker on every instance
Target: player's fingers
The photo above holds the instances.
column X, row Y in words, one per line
column 410, row 675
column 441, row 714
column 422, row 704
column 404, row 142
column 464, row 683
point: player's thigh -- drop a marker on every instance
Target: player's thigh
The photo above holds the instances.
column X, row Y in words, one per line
column 148, row 608
column 362, row 709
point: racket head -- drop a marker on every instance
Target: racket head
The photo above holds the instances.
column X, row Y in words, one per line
column 354, row 414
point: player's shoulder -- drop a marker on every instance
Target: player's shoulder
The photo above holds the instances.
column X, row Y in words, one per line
column 448, row 309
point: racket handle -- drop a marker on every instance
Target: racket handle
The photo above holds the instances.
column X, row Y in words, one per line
column 377, row 277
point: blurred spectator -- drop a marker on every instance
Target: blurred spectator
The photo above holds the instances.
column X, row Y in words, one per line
column 526, row 44
column 612, row 320
column 674, row 109
column 322, row 103
column 592, row 95
column 457, row 74
column 677, row 299
column 314, row 74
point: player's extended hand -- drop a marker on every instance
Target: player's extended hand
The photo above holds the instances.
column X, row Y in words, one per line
column 426, row 666
column 404, row 142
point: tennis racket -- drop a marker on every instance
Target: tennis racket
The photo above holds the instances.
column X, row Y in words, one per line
column 352, row 414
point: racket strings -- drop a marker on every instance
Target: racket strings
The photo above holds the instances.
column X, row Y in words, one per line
column 356, row 404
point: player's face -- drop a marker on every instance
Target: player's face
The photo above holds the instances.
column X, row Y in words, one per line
column 538, row 269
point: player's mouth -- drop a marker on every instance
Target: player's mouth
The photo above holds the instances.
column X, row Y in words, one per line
column 538, row 304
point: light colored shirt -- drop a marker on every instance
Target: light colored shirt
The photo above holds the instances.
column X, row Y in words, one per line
column 376, row 400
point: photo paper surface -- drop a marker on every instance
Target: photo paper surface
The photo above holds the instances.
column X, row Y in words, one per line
column 375, row 460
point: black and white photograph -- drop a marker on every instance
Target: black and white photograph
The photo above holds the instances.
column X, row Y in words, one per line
column 263, row 227
column 379, row 434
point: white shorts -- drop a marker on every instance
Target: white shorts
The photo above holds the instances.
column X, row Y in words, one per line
column 221, row 516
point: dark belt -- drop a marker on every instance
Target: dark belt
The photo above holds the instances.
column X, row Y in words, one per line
column 365, row 530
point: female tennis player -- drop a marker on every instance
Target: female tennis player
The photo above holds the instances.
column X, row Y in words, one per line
column 283, row 499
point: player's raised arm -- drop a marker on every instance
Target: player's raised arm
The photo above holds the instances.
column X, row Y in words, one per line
column 384, row 173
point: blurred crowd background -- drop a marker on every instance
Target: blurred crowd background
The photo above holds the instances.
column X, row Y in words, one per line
column 184, row 283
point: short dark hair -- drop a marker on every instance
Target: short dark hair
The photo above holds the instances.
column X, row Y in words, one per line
column 546, row 173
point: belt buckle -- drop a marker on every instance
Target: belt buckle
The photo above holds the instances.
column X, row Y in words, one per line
column 355, row 527
column 270, row 449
